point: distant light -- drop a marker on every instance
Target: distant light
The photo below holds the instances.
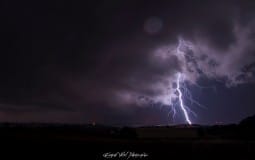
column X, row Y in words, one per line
column 218, row 123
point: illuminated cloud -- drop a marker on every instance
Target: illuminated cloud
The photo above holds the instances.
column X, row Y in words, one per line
column 110, row 59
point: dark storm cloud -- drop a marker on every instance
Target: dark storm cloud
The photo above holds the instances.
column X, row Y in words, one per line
column 104, row 53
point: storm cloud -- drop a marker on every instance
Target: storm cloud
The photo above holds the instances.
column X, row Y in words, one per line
column 99, row 59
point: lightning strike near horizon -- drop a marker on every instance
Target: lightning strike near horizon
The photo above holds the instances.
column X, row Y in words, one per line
column 176, row 99
column 183, row 108
column 178, row 96
column 181, row 90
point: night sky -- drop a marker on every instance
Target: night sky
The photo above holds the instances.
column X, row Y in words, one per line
column 113, row 62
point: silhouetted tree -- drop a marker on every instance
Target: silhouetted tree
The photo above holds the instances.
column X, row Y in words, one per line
column 249, row 121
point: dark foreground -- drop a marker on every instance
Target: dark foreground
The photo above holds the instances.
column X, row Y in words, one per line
column 101, row 142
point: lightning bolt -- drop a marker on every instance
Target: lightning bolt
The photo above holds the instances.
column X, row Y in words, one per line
column 178, row 81
column 183, row 108
column 175, row 97
column 177, row 100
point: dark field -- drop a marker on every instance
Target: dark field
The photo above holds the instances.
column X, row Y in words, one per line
column 92, row 141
